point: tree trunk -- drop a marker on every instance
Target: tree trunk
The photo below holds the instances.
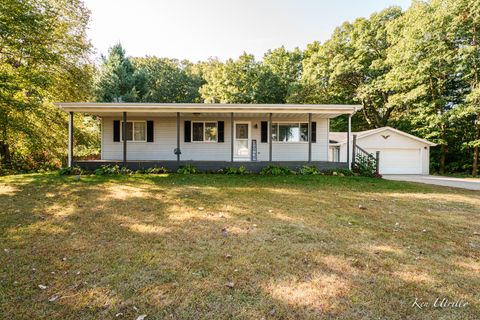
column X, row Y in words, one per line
column 5, row 157
column 5, row 152
column 475, row 162
column 475, row 149
column 443, row 151
column 475, row 84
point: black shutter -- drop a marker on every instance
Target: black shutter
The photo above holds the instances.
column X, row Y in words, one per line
column 221, row 131
column 150, row 131
column 264, row 131
column 187, row 128
column 116, row 130
column 314, row 132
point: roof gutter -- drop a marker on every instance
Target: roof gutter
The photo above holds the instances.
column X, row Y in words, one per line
column 220, row 108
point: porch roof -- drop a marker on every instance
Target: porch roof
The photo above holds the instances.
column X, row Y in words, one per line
column 329, row 110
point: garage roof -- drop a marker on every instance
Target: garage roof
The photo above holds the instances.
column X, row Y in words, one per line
column 338, row 138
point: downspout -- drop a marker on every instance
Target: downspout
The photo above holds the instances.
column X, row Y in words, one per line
column 349, row 131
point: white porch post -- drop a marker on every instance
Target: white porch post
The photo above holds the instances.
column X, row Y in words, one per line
column 309, row 137
column 124, row 135
column 178, row 137
column 270, row 137
column 231, row 136
column 348, row 140
column 70, row 139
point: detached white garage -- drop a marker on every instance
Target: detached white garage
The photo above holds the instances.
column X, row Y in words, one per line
column 400, row 152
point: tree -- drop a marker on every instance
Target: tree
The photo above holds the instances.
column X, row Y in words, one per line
column 286, row 66
column 117, row 79
column 423, row 74
column 43, row 58
column 240, row 81
column 351, row 67
column 167, row 80
column 466, row 27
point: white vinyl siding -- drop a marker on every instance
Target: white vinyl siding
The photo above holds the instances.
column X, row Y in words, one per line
column 165, row 141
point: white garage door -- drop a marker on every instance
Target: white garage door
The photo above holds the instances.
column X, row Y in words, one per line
column 399, row 161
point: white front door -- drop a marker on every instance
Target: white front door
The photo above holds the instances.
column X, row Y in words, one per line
column 242, row 141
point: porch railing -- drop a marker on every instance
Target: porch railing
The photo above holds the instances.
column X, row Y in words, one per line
column 364, row 161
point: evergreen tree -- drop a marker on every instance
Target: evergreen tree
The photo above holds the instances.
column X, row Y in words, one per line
column 117, row 80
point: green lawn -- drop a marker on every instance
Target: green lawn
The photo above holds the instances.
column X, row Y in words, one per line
column 235, row 247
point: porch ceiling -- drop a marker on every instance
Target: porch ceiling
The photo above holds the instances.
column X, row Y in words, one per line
column 201, row 109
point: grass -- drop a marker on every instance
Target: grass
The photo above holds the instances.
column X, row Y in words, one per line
column 235, row 247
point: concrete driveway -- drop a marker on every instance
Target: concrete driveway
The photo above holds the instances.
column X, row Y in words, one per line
column 464, row 183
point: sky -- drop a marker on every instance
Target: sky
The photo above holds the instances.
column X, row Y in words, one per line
column 199, row 29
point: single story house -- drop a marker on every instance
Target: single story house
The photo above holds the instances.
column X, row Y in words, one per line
column 400, row 152
column 211, row 136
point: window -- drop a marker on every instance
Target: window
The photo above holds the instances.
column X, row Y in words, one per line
column 204, row 131
column 336, row 154
column 136, row 131
column 290, row 132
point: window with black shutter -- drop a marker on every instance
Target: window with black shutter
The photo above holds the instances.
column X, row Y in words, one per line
column 314, row 132
column 221, row 131
column 187, row 128
column 150, row 133
column 116, row 130
column 264, row 131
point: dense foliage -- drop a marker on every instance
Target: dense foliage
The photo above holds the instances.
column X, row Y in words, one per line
column 416, row 70
column 43, row 59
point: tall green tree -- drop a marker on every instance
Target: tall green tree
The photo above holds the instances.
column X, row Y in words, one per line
column 167, row 80
column 43, row 58
column 423, row 76
column 117, row 79
column 351, row 67
column 286, row 66
column 465, row 25
column 240, row 81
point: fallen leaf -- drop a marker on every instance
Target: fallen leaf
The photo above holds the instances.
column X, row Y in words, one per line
column 53, row 298
column 230, row 284
column 224, row 231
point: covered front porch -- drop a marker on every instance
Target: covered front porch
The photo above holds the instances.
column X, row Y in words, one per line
column 210, row 136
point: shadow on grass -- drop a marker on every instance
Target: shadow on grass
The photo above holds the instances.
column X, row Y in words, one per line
column 300, row 247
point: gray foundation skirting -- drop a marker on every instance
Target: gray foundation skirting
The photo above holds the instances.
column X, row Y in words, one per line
column 209, row 166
